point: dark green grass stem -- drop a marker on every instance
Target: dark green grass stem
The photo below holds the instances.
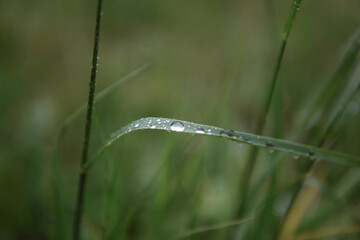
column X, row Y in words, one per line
column 250, row 163
column 85, row 148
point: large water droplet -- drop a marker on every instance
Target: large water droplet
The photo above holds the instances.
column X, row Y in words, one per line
column 153, row 127
column 227, row 133
column 177, row 126
column 200, row 130
column 137, row 124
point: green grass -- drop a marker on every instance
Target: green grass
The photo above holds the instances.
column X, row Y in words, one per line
column 271, row 144
column 164, row 178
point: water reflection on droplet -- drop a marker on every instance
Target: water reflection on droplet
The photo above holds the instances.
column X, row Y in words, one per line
column 200, row 130
column 177, row 126
column 227, row 133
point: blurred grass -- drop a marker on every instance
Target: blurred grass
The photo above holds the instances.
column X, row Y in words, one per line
column 210, row 62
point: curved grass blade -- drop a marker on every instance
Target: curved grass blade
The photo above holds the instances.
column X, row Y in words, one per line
column 167, row 124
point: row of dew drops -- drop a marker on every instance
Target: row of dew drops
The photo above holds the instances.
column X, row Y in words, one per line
column 179, row 126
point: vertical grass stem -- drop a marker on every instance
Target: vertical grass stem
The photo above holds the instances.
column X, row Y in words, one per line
column 85, row 147
column 250, row 164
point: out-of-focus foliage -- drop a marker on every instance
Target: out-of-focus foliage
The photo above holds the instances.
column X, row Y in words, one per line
column 211, row 63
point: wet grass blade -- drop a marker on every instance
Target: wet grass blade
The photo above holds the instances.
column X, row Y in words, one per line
column 166, row 124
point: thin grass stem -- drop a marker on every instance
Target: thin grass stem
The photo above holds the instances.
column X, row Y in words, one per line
column 250, row 163
column 85, row 148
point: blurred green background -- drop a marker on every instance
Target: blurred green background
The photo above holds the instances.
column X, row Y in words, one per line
column 211, row 62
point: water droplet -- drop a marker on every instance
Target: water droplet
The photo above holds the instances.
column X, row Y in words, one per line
column 246, row 139
column 153, row 127
column 271, row 146
column 137, row 124
column 311, row 155
column 227, row 133
column 177, row 126
column 297, row 9
column 200, row 130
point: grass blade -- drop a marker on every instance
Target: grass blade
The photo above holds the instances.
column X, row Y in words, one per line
column 326, row 132
column 166, row 124
column 103, row 93
column 328, row 232
column 86, row 140
column 338, row 81
column 59, row 209
column 213, row 227
column 251, row 161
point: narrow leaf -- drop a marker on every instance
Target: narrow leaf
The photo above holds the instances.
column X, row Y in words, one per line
column 174, row 125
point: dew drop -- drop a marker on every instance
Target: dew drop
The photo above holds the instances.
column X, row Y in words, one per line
column 177, row 126
column 153, row 127
column 227, row 133
column 311, row 155
column 246, row 139
column 271, row 146
column 137, row 124
column 200, row 130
